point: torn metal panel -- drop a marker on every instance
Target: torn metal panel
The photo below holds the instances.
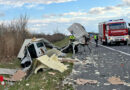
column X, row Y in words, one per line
column 47, row 43
column 18, row 76
column 39, row 68
column 26, row 61
column 52, row 63
column 7, row 71
column 78, row 31
column 21, row 52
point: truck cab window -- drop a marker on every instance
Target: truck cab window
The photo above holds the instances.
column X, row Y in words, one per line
column 117, row 26
column 40, row 44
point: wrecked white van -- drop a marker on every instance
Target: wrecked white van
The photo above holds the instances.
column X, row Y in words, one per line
column 35, row 47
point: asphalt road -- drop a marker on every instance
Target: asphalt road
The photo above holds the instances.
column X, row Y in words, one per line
column 102, row 63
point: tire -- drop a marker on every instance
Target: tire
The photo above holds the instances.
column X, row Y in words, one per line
column 125, row 43
column 109, row 44
column 103, row 43
column 118, row 43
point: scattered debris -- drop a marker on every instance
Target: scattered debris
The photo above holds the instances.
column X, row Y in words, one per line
column 51, row 73
column 106, row 84
column 84, row 81
column 127, row 84
column 126, row 77
column 18, row 76
column 115, row 81
column 7, row 71
column 114, row 89
column 27, row 84
column 68, row 60
column 52, row 62
column 96, row 72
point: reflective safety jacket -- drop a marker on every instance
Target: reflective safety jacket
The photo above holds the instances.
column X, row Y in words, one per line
column 95, row 37
column 72, row 37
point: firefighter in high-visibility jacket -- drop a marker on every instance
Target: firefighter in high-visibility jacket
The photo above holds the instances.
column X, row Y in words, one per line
column 72, row 38
column 96, row 40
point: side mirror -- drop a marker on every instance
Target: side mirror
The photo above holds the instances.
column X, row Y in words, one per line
column 129, row 24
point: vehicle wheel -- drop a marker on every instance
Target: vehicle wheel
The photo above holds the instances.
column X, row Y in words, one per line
column 118, row 43
column 103, row 43
column 125, row 43
column 106, row 43
column 109, row 44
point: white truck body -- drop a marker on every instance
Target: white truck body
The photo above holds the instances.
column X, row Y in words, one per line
column 78, row 31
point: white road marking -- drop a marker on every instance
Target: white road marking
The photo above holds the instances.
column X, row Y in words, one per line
column 113, row 49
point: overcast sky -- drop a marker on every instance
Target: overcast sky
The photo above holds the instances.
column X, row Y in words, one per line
column 48, row 16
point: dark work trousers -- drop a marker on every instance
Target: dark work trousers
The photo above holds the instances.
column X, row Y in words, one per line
column 86, row 44
column 96, row 41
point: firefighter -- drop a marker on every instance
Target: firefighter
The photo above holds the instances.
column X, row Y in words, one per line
column 72, row 38
column 96, row 40
column 87, row 40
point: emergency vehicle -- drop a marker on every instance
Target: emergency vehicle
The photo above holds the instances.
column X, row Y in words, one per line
column 113, row 31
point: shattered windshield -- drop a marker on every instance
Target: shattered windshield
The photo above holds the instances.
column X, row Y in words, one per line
column 39, row 45
column 117, row 26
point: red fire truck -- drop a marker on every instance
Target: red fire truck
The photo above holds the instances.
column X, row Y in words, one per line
column 113, row 31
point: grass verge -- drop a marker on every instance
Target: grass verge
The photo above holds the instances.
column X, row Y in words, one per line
column 41, row 80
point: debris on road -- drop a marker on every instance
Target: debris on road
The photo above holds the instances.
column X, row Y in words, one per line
column 84, row 81
column 127, row 84
column 115, row 80
column 7, row 71
column 18, row 76
column 97, row 72
column 106, row 84
column 69, row 60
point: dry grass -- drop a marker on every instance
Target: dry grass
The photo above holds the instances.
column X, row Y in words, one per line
column 13, row 34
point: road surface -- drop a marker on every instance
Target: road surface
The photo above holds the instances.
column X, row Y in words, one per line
column 104, row 62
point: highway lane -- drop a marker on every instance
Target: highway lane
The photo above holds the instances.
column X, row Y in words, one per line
column 106, row 62
column 121, row 47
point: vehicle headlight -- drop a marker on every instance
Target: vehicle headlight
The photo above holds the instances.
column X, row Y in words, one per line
column 127, row 37
column 111, row 38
